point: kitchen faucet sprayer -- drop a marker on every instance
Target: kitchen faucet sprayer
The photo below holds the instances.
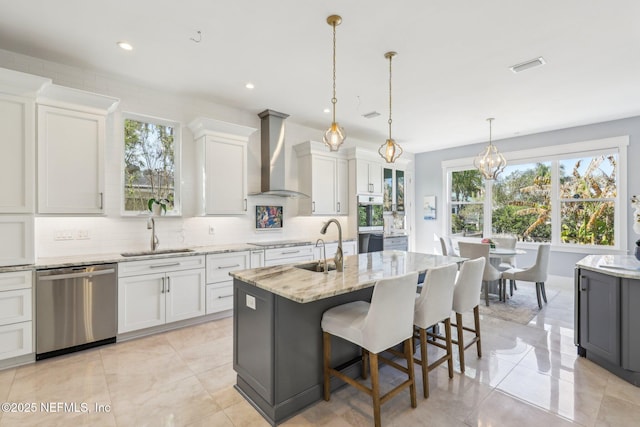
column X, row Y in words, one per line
column 338, row 258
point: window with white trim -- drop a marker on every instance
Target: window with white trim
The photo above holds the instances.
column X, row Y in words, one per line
column 568, row 195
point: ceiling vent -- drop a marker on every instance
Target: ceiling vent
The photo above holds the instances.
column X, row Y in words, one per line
column 528, row 64
column 371, row 115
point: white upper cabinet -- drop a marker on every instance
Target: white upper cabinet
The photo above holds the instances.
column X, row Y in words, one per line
column 18, row 92
column 71, row 138
column 324, row 177
column 222, row 166
column 368, row 177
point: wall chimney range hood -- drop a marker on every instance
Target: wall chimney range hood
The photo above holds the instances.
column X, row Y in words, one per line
column 272, row 156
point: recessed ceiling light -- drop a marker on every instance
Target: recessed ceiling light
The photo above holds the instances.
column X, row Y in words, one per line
column 125, row 45
column 528, row 64
column 326, row 110
column 249, row 85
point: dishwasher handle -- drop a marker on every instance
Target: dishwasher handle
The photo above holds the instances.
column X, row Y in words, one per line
column 77, row 275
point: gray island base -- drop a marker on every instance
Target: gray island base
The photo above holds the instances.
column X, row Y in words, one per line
column 277, row 335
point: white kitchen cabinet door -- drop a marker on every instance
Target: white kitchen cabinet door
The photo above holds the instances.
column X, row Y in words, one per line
column 17, row 232
column 220, row 297
column 368, row 177
column 225, row 182
column 257, row 259
column 70, row 161
column 16, row 339
column 185, row 294
column 15, row 306
column 323, row 185
column 220, row 265
column 141, row 302
column 342, row 187
column 17, row 154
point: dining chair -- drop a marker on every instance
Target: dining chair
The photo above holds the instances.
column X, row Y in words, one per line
column 507, row 261
column 536, row 273
column 433, row 306
column 447, row 246
column 490, row 274
column 466, row 296
column 384, row 323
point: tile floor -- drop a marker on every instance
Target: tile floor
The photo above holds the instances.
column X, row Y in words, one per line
column 529, row 375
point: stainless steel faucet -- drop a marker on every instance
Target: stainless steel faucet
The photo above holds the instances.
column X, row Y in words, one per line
column 151, row 225
column 338, row 258
column 324, row 255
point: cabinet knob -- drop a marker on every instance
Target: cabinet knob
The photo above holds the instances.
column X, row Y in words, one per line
column 338, row 206
column 162, row 290
column 313, row 206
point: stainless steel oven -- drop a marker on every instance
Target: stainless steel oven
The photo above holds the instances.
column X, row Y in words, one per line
column 370, row 213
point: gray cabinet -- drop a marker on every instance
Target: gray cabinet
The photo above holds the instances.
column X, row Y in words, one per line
column 600, row 315
column 630, row 319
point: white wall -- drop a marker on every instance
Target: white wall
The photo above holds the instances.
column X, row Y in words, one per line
column 429, row 178
column 113, row 233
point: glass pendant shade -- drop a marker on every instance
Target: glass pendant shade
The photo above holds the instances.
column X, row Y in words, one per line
column 390, row 151
column 490, row 162
column 334, row 137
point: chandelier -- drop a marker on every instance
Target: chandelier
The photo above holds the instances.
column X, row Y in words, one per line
column 334, row 136
column 390, row 150
column 490, row 162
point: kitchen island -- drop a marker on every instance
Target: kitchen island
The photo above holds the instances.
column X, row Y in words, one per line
column 607, row 297
column 277, row 336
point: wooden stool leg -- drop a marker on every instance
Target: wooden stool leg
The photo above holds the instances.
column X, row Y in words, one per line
column 447, row 333
column 408, row 354
column 476, row 321
column 365, row 363
column 424, row 362
column 375, row 388
column 326, row 357
column 460, row 340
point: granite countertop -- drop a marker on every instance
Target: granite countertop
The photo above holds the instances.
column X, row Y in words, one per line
column 614, row 265
column 360, row 271
column 105, row 258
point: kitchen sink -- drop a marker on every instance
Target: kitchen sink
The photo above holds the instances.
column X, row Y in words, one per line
column 156, row 252
column 315, row 266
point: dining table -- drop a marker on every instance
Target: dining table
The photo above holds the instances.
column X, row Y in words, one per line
column 496, row 257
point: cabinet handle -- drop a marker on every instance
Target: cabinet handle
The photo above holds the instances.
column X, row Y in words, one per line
column 338, row 206
column 245, row 205
column 168, row 284
column 224, row 296
column 290, row 252
column 584, row 284
column 313, row 206
column 173, row 264
column 101, row 200
column 162, row 290
column 221, row 267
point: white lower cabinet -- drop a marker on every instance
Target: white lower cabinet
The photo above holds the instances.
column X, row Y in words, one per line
column 16, row 314
column 288, row 255
column 159, row 291
column 219, row 283
column 348, row 248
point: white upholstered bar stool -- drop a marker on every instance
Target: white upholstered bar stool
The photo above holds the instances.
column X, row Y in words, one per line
column 476, row 250
column 385, row 322
column 466, row 296
column 433, row 306
column 536, row 273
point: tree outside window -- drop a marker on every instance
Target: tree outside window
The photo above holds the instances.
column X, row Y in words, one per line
column 467, row 203
column 150, row 148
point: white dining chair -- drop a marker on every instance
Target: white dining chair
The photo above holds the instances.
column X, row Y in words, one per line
column 490, row 274
column 447, row 246
column 384, row 323
column 466, row 296
column 507, row 261
column 536, row 273
column 433, row 306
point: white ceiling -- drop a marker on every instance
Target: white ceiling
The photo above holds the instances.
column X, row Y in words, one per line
column 450, row 74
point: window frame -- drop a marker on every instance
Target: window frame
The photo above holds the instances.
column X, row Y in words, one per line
column 553, row 154
column 177, row 153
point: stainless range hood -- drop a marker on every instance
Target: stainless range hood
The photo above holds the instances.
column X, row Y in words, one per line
column 272, row 157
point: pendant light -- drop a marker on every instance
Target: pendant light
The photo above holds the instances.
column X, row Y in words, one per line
column 334, row 136
column 390, row 150
column 490, row 162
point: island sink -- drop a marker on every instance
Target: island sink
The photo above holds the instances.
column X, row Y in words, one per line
column 316, row 266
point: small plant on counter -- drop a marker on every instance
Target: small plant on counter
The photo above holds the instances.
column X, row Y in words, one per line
column 162, row 203
column 491, row 243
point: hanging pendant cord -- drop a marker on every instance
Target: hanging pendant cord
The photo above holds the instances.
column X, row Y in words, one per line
column 334, row 100
column 390, row 58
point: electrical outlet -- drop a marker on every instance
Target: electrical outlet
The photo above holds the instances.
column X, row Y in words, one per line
column 212, row 230
column 82, row 235
column 63, row 235
column 251, row 301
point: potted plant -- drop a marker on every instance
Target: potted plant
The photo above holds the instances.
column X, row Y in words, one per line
column 157, row 206
column 491, row 243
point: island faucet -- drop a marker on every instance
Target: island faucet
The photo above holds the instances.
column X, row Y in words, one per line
column 324, row 255
column 151, row 225
column 338, row 258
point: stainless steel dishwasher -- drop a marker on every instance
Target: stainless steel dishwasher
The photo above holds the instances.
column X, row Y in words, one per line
column 76, row 308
